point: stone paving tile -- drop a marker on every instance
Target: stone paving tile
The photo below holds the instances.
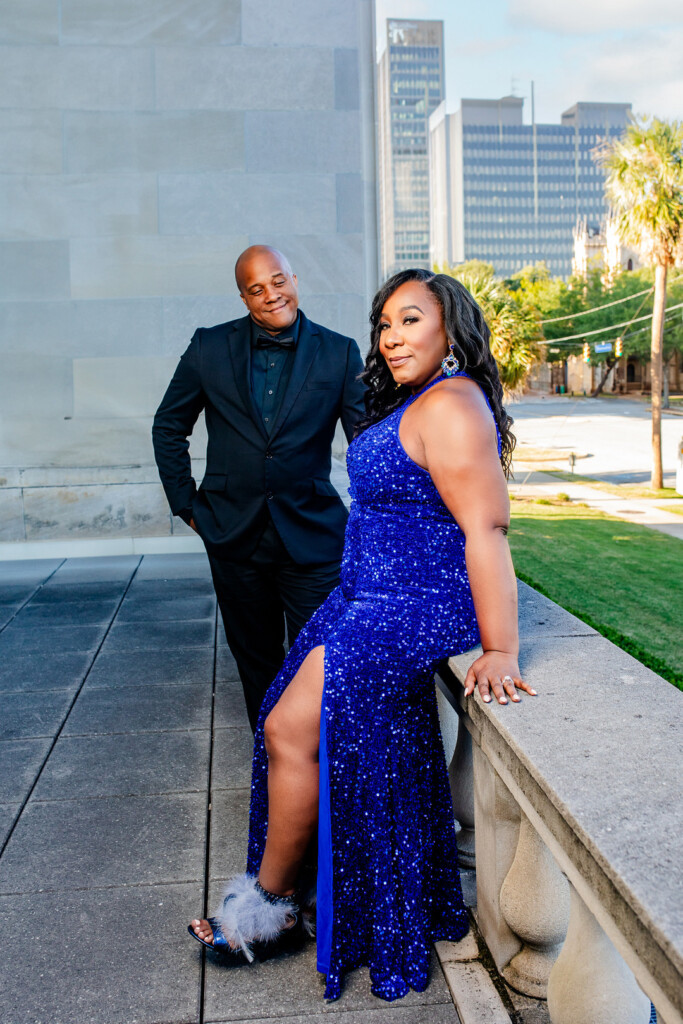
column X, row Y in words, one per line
column 7, row 613
column 138, row 709
column 230, row 711
column 232, row 753
column 436, row 1013
column 69, row 613
column 32, row 714
column 291, row 985
column 65, row 593
column 229, row 834
column 29, row 571
column 178, row 567
column 150, row 609
column 152, row 668
column 15, row 593
column 93, row 570
column 170, row 588
column 226, row 666
column 8, row 814
column 131, row 636
column 92, row 963
column 20, row 670
column 137, row 763
column 20, row 762
column 80, row 844
column 49, row 640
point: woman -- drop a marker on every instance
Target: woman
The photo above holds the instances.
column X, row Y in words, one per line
column 348, row 737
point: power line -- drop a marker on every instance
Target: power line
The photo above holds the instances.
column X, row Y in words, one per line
column 632, row 334
column 612, row 327
column 587, row 312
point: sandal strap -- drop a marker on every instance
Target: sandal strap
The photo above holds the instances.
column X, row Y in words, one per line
column 273, row 898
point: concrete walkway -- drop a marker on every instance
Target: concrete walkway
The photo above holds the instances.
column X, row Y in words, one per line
column 530, row 483
column 124, row 774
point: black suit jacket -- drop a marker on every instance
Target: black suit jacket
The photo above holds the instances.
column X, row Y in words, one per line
column 250, row 473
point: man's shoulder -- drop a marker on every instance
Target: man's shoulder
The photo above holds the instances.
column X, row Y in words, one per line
column 329, row 334
column 219, row 331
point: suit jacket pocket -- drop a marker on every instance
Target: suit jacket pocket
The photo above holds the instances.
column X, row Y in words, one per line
column 214, row 482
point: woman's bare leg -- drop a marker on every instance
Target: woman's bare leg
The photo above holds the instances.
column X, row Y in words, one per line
column 292, row 737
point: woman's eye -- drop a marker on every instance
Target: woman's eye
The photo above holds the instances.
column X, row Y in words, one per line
column 410, row 320
column 383, row 327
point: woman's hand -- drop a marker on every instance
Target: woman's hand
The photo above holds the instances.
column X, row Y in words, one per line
column 497, row 671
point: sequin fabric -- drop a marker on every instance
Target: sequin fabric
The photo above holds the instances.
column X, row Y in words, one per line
column 403, row 604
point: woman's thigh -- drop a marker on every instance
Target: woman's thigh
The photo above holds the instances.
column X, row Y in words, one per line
column 294, row 722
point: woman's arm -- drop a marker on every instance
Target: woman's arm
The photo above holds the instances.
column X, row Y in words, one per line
column 457, row 436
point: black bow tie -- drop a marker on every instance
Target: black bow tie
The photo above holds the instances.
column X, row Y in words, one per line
column 268, row 341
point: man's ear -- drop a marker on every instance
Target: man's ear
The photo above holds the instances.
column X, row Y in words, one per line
column 243, row 299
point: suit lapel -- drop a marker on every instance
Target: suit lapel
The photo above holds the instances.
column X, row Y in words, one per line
column 239, row 346
column 306, row 350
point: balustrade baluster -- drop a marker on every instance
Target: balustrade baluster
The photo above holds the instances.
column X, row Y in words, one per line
column 590, row 981
column 534, row 900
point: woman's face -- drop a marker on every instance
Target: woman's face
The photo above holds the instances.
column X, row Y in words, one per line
column 412, row 335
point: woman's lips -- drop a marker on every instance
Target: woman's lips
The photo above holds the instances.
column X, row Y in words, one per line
column 398, row 360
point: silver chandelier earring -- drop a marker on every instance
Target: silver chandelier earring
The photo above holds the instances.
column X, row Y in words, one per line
column 450, row 363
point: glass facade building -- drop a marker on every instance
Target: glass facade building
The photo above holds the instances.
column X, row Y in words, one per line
column 511, row 194
column 410, row 88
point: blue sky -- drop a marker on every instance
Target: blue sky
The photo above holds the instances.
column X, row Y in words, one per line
column 625, row 51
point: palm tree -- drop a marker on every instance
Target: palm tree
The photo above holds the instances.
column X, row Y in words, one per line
column 515, row 330
column 644, row 184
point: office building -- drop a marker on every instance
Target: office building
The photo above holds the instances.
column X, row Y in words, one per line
column 410, row 87
column 512, row 193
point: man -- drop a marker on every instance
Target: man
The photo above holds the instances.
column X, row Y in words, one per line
column 273, row 385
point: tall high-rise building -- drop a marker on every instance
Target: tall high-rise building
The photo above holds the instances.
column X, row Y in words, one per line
column 511, row 193
column 410, row 88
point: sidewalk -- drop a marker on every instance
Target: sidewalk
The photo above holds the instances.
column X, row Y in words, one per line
column 531, row 483
column 124, row 783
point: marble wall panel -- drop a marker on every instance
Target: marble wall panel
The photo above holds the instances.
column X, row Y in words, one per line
column 120, row 387
column 34, row 270
column 30, row 142
column 224, row 204
column 346, row 79
column 324, row 263
column 182, row 316
column 305, row 141
column 244, row 78
column 349, row 203
column 152, row 23
column 29, row 21
column 11, row 514
column 71, row 205
column 124, row 327
column 292, row 23
column 153, row 265
column 113, row 510
column 142, row 141
column 35, row 385
column 76, row 78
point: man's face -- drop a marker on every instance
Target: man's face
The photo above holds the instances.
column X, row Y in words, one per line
column 269, row 291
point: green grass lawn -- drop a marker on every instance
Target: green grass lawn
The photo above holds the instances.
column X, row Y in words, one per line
column 624, row 580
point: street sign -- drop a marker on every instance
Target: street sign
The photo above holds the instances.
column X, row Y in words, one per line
column 603, row 346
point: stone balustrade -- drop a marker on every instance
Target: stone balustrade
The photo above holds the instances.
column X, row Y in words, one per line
column 570, row 804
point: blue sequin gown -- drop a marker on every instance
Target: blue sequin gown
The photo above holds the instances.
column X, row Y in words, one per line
column 388, row 883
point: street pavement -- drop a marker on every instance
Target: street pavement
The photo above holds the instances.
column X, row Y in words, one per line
column 124, row 784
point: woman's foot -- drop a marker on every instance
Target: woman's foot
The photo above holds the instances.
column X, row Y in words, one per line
column 251, row 921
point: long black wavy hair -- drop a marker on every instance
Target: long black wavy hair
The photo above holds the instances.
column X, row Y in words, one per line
column 466, row 329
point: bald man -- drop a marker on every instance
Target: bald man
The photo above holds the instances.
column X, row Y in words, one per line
column 273, row 386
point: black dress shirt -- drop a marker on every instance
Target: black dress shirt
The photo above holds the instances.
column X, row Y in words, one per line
column 271, row 366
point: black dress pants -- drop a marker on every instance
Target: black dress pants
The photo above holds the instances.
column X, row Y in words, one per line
column 256, row 599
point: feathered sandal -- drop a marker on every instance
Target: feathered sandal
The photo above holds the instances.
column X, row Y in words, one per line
column 253, row 923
